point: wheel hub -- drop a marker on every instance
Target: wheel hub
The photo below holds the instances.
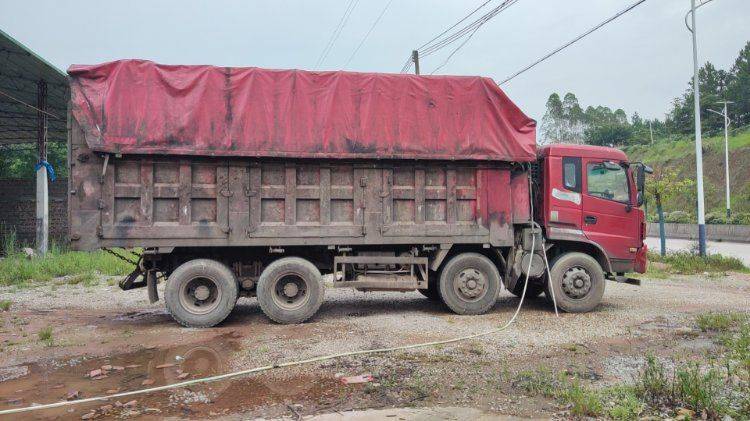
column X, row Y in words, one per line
column 200, row 295
column 202, row 292
column 470, row 283
column 576, row 282
column 290, row 289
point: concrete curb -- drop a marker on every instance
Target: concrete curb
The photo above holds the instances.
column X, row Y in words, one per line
column 714, row 232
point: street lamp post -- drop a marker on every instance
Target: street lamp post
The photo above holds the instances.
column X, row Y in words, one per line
column 698, row 140
column 725, row 115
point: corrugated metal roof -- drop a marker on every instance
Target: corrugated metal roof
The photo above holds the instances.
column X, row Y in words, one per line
column 20, row 71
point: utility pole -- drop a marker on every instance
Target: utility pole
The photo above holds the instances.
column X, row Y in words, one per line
column 415, row 59
column 698, row 140
column 725, row 114
column 651, row 130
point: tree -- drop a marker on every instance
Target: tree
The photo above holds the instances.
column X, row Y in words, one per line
column 738, row 88
column 574, row 119
column 552, row 122
column 664, row 185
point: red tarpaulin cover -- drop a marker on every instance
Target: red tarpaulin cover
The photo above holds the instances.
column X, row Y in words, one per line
column 140, row 107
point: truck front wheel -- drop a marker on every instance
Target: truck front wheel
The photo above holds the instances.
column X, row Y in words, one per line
column 201, row 293
column 290, row 290
column 578, row 282
column 469, row 284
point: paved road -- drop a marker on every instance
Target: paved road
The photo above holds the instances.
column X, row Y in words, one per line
column 738, row 250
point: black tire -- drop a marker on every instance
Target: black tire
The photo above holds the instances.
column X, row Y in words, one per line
column 290, row 290
column 534, row 290
column 190, row 283
column 456, row 291
column 577, row 281
column 432, row 292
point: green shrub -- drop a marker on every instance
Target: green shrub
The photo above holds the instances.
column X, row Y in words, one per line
column 678, row 217
column 5, row 305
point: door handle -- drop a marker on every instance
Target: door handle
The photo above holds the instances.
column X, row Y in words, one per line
column 589, row 219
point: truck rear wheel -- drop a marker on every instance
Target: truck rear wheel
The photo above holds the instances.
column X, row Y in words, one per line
column 290, row 290
column 469, row 284
column 201, row 293
column 578, row 282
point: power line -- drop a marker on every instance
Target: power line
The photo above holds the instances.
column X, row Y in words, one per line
column 374, row 24
column 569, row 43
column 28, row 105
column 454, row 25
column 447, row 37
column 431, row 49
column 337, row 31
column 454, row 52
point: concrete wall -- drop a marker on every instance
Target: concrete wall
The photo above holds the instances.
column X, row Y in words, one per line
column 734, row 233
column 18, row 209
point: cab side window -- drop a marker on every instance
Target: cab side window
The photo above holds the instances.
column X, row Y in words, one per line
column 607, row 183
column 572, row 174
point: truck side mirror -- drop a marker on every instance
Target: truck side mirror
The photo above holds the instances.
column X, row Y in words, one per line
column 640, row 181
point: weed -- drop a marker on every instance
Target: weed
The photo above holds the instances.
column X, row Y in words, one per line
column 9, row 246
column 719, row 322
column 476, row 349
column 653, row 383
column 538, row 382
column 687, row 263
column 45, row 335
column 700, row 390
column 5, row 305
column 419, row 386
column 625, row 404
column 87, row 279
column 584, row 402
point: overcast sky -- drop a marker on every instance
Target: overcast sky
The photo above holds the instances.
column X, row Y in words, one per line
column 640, row 62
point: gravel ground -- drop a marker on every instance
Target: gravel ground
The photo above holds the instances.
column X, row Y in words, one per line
column 351, row 320
column 101, row 320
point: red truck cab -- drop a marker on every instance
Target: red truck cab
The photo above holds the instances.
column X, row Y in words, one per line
column 592, row 198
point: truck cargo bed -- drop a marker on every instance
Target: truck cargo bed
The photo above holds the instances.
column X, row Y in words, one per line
column 173, row 201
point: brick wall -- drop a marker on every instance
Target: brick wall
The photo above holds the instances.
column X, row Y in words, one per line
column 18, row 209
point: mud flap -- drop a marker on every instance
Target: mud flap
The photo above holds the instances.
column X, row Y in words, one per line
column 153, row 295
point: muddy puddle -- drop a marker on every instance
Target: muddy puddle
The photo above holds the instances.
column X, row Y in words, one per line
column 84, row 377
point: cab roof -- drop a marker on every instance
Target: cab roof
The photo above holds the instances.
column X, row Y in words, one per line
column 583, row 151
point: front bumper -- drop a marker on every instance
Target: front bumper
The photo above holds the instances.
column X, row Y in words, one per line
column 641, row 259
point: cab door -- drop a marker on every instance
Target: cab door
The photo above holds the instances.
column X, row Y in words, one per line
column 609, row 217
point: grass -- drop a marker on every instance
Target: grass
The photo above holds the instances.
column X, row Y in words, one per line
column 719, row 322
column 615, row 402
column 45, row 335
column 714, row 387
column 5, row 305
column 687, row 263
column 679, row 155
column 17, row 269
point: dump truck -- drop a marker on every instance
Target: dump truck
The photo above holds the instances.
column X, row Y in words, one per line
column 237, row 182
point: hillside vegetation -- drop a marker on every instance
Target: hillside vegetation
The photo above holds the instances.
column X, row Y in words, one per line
column 679, row 155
